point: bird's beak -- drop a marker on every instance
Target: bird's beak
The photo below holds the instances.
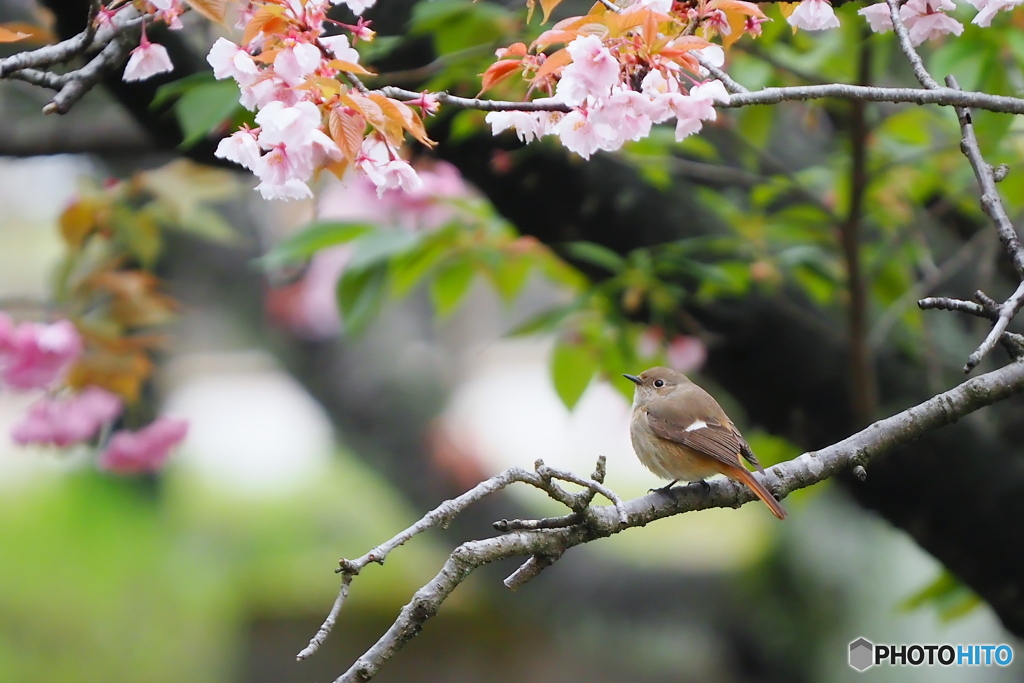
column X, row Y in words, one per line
column 634, row 379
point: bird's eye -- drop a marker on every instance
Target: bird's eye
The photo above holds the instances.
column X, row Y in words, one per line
column 659, row 383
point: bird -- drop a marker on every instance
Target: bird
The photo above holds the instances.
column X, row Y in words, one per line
column 679, row 432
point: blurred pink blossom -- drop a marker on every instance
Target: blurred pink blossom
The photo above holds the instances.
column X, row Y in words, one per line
column 65, row 421
column 35, row 355
column 145, row 450
column 686, row 354
column 309, row 308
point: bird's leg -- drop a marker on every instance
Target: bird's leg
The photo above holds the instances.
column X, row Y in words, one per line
column 664, row 489
column 705, row 486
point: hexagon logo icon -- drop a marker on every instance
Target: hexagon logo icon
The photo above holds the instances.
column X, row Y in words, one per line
column 862, row 654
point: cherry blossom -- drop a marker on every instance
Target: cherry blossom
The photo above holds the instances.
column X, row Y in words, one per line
column 230, row 61
column 987, row 9
column 33, row 355
column 240, row 147
column 878, row 16
column 68, row 420
column 593, row 71
column 145, row 450
column 813, row 15
column 926, row 19
column 148, row 59
column 296, row 62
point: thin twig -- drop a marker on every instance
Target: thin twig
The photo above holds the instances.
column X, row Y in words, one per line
column 325, row 629
column 923, row 77
column 730, row 85
column 991, row 204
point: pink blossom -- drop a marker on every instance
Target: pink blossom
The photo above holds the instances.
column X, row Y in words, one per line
column 686, row 353
column 384, row 169
column 716, row 20
column 294, row 125
column 878, row 17
column 623, row 116
column 926, row 19
column 987, row 9
column 593, row 71
column 398, row 174
column 283, row 175
column 33, row 355
column 340, row 48
column 813, row 15
column 266, row 90
column 145, row 450
column 357, row 6
column 578, row 135
column 662, row 6
column 241, row 148
column 294, row 63
column 528, row 125
column 148, row 59
column 229, row 60
column 62, row 422
column 713, row 55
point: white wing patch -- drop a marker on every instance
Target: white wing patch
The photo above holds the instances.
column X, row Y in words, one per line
column 697, row 424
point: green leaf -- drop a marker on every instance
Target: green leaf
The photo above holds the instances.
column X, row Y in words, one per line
column 543, row 321
column 450, row 286
column 175, row 89
column 139, row 232
column 950, row 598
column 596, row 255
column 409, row 269
column 382, row 245
column 299, row 247
column 205, row 107
column 510, row 276
column 456, row 25
column 572, row 368
column 361, row 294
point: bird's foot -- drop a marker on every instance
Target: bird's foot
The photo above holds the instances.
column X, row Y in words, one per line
column 664, row 489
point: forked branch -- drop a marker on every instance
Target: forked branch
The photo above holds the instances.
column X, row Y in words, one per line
column 544, row 541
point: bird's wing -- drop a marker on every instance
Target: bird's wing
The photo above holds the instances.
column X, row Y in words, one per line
column 707, row 436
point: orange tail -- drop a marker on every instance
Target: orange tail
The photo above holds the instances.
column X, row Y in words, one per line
column 743, row 475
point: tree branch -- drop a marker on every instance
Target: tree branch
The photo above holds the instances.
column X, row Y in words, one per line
column 544, row 546
column 110, row 44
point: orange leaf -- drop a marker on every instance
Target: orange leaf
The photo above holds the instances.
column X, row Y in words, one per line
column 553, row 63
column 120, row 372
column 412, row 122
column 78, row 222
column 554, row 36
column 393, row 119
column 135, row 299
column 498, row 72
column 338, row 168
column 513, row 50
column 347, row 132
column 213, row 10
column 368, row 108
column 548, row 6
column 11, row 36
column 268, row 19
column 350, row 67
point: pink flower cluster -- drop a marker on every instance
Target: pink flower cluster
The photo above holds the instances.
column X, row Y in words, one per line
column 37, row 356
column 288, row 72
column 607, row 110
column 924, row 19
